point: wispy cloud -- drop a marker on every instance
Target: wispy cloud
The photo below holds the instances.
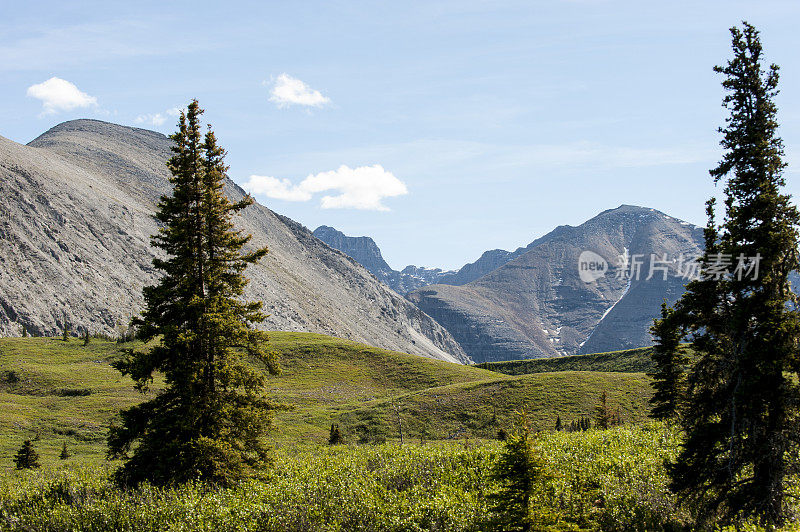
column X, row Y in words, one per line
column 45, row 48
column 58, row 95
column 158, row 119
column 288, row 91
column 362, row 188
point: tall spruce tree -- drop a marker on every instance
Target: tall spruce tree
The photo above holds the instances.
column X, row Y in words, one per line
column 670, row 362
column 209, row 420
column 741, row 416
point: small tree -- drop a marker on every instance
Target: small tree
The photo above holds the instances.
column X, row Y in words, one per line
column 24, row 331
column 335, row 437
column 603, row 415
column 86, row 337
column 670, row 362
column 64, row 452
column 27, row 457
column 521, row 472
column 558, row 423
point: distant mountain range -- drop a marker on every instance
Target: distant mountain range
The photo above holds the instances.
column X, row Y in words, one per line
column 532, row 302
column 76, row 208
column 366, row 252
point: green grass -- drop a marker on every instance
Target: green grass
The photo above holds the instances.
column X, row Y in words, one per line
column 627, row 361
column 57, row 392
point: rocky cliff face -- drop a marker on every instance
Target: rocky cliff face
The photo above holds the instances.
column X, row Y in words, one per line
column 365, row 251
column 537, row 305
column 76, row 209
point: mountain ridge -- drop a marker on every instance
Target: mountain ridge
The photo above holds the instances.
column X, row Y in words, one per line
column 74, row 243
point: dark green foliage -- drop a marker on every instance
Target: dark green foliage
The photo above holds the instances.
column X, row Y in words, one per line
column 558, row 423
column 584, row 423
column 27, row 457
column 741, row 417
column 604, row 417
column 86, row 337
column 24, row 331
column 502, row 435
column 521, row 473
column 209, row 420
column 65, row 329
column 335, row 437
column 64, row 452
column 669, row 377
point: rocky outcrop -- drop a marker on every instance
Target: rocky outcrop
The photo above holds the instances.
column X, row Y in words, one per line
column 365, row 251
column 536, row 305
column 76, row 209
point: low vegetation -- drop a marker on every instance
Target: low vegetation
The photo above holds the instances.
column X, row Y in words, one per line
column 627, row 361
column 613, row 479
column 325, row 380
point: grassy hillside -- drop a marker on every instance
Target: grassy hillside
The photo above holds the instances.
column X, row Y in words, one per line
column 627, row 361
column 67, row 392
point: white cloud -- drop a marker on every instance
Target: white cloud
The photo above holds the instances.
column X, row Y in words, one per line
column 155, row 119
column 361, row 188
column 159, row 119
column 291, row 91
column 275, row 188
column 57, row 94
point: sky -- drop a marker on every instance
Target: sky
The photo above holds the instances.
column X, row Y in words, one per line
column 440, row 129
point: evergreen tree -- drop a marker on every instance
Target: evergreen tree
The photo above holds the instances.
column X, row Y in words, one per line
column 521, row 473
column 86, row 337
column 558, row 423
column 209, row 420
column 603, row 416
column 670, row 362
column 335, row 437
column 741, row 417
column 24, row 332
column 64, row 452
column 27, row 457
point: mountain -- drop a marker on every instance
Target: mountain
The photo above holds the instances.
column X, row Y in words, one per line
column 76, row 208
column 365, row 251
column 537, row 305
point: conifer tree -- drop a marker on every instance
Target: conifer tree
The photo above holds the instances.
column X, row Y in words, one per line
column 603, row 416
column 558, row 423
column 670, row 362
column 521, row 473
column 335, row 437
column 86, row 337
column 27, row 457
column 64, row 452
column 209, row 420
column 741, row 417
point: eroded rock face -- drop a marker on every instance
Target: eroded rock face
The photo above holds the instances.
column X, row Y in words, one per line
column 365, row 251
column 76, row 208
column 536, row 305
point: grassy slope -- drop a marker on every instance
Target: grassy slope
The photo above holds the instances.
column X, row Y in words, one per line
column 324, row 380
column 628, row 361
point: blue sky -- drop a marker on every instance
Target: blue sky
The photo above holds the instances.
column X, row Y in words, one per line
column 441, row 129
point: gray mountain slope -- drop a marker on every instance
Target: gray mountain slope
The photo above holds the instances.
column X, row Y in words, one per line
column 76, row 209
column 537, row 306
